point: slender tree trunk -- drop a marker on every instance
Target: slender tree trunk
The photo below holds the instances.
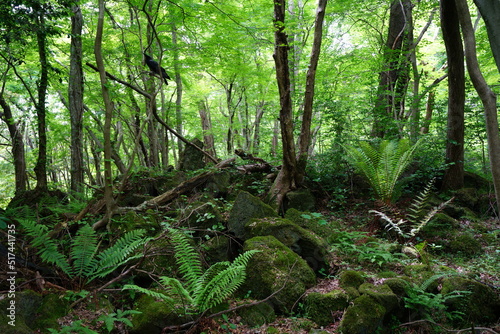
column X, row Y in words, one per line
column 490, row 11
column 206, row 126
column 41, row 163
column 256, row 128
column 179, row 91
column 488, row 97
column 454, row 174
column 108, row 175
column 75, row 101
column 18, row 155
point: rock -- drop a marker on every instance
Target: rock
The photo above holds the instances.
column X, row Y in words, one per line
column 382, row 294
column 319, row 307
column 154, row 316
column 312, row 222
column 351, row 278
column 52, row 308
column 397, row 285
column 191, row 158
column 217, row 249
column 363, row 317
column 481, row 306
column 276, row 267
column 305, row 243
column 245, row 208
column 300, row 199
column 465, row 244
column 257, row 315
column 22, row 313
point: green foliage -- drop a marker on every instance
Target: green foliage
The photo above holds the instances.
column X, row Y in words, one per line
column 428, row 305
column 383, row 164
column 76, row 327
column 118, row 316
column 84, row 263
column 416, row 218
column 199, row 291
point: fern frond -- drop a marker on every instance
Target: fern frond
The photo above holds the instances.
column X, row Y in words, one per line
column 83, row 250
column 175, row 286
column 154, row 294
column 390, row 224
column 119, row 253
column 417, row 206
column 429, row 216
column 187, row 258
column 47, row 247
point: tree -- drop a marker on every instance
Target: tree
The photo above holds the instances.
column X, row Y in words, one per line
column 454, row 174
column 490, row 11
column 75, row 100
column 293, row 170
column 487, row 96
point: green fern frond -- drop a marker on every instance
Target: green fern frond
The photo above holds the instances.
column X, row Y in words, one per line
column 429, row 216
column 154, row 294
column 175, row 286
column 187, row 258
column 83, row 250
column 119, row 253
column 425, row 285
column 417, row 207
column 48, row 248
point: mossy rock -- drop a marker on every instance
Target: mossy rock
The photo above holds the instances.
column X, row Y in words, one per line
column 301, row 199
column 202, row 215
column 217, row 249
column 257, row 315
column 319, row 307
column 440, row 226
column 218, row 184
column 52, row 308
column 312, row 222
column 480, row 306
column 418, row 273
column 155, row 315
column 245, row 208
column 306, row 244
column 191, row 158
column 276, row 267
column 397, row 285
column 465, row 244
column 351, row 279
column 382, row 294
column 363, row 317
column 21, row 313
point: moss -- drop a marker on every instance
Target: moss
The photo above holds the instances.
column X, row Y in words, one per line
column 305, row 243
column 26, row 304
column 301, row 199
column 465, row 244
column 364, row 316
column 315, row 223
column 397, row 285
column 382, row 294
column 387, row 274
column 481, row 305
column 52, row 308
column 154, row 316
column 319, row 307
column 257, row 315
column 351, row 278
column 272, row 330
column 276, row 267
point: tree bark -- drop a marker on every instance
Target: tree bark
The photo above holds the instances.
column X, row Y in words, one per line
column 488, row 97
column 108, row 175
column 206, row 126
column 179, row 90
column 18, row 155
column 41, row 163
column 75, row 101
column 454, row 174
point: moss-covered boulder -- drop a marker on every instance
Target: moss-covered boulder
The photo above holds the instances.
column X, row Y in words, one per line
column 53, row 307
column 201, row 215
column 245, row 208
column 351, row 279
column 217, row 249
column 300, row 199
column 276, row 267
column 312, row 222
column 256, row 315
column 480, row 306
column 364, row 316
column 397, row 285
column 17, row 315
column 320, row 307
column 191, row 158
column 465, row 244
column 154, row 316
column 306, row 244
column 382, row 294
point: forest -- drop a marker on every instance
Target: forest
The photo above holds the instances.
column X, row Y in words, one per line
column 225, row 166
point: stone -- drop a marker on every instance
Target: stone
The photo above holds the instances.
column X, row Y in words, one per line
column 320, row 307
column 364, row 316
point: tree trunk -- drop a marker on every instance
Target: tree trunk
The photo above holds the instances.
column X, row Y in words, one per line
column 454, row 175
column 488, row 97
column 206, row 126
column 18, row 155
column 256, row 128
column 490, row 11
column 179, row 91
column 394, row 78
column 41, row 163
column 75, row 101
column 108, row 175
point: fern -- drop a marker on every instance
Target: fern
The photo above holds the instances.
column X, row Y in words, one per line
column 382, row 166
column 201, row 290
column 84, row 248
column 417, row 206
column 47, row 247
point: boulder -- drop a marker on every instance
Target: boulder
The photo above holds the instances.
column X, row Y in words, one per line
column 245, row 208
column 275, row 268
column 300, row 199
column 191, row 158
column 256, row 315
column 320, row 307
column 351, row 279
column 305, row 243
column 382, row 294
column 364, row 316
